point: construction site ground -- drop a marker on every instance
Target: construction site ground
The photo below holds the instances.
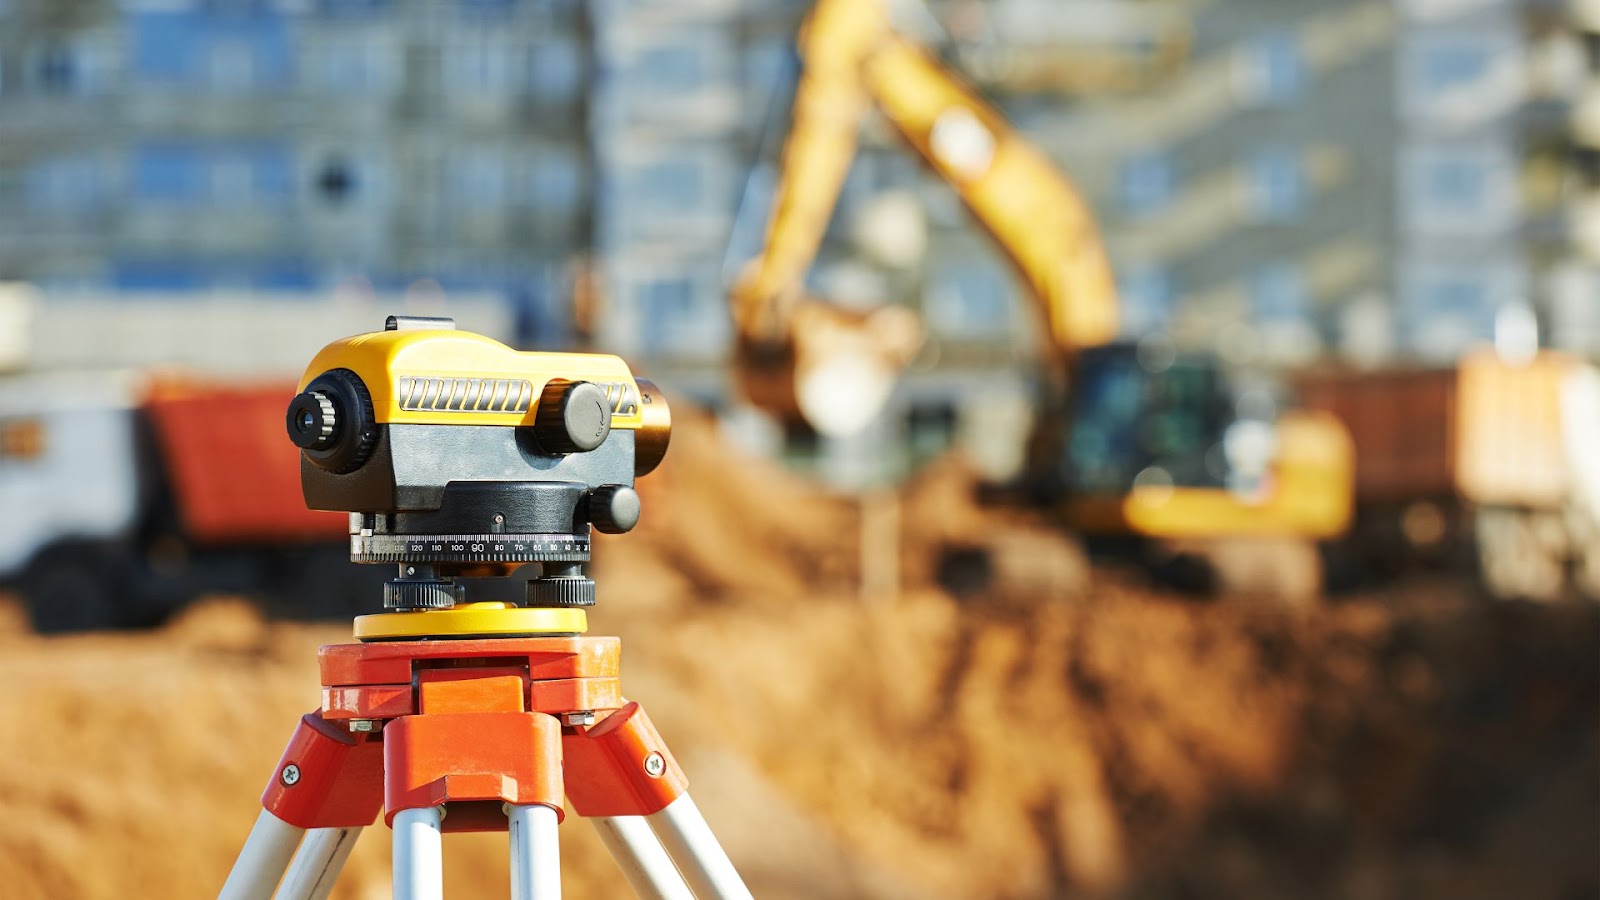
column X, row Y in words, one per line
column 1100, row 740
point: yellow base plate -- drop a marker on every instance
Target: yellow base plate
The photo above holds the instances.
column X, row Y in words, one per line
column 470, row 620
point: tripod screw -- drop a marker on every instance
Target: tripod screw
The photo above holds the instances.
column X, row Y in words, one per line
column 290, row 776
column 655, row 765
column 363, row 725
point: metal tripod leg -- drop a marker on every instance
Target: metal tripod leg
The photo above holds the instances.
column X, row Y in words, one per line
column 694, row 849
column 639, row 854
column 418, row 854
column 535, row 852
column 316, row 867
column 266, row 853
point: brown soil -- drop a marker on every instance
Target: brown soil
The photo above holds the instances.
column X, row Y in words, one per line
column 1110, row 741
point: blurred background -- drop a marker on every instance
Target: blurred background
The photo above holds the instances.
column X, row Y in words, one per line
column 1358, row 657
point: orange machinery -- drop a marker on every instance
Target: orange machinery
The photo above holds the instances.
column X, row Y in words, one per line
column 129, row 496
column 1486, row 464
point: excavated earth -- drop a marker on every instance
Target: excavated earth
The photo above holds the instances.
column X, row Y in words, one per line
column 1079, row 737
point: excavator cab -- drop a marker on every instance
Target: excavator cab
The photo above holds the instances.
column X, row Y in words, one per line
column 1162, row 444
column 1140, row 415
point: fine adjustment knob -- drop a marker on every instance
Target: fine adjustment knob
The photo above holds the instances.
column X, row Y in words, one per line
column 404, row 594
column 573, row 417
column 614, row 508
column 562, row 592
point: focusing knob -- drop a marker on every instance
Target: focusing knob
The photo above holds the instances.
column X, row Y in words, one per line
column 614, row 508
column 573, row 417
column 332, row 422
column 313, row 421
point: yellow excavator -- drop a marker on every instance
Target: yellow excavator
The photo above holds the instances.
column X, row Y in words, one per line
column 1130, row 440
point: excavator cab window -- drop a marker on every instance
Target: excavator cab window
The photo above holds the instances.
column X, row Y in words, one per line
column 1139, row 416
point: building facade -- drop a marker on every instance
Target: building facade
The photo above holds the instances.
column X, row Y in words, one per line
column 296, row 146
column 1276, row 179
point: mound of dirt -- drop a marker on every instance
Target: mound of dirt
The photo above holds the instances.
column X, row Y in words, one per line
column 1110, row 742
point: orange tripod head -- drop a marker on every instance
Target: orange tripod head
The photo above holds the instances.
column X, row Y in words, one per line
column 458, row 456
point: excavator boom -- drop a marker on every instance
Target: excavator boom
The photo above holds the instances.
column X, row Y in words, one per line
column 832, row 367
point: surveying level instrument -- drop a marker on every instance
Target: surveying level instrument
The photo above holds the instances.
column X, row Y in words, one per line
column 458, row 457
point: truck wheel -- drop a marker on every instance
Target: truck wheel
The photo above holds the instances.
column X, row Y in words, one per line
column 1015, row 568
column 322, row 584
column 1519, row 557
column 1285, row 571
column 1584, row 534
column 73, row 587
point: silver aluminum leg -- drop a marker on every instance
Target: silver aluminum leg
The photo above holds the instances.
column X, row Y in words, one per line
column 316, row 867
column 418, row 854
column 689, row 841
column 642, row 860
column 266, row 853
column 535, row 852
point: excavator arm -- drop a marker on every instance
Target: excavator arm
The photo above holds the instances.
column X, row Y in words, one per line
column 832, row 367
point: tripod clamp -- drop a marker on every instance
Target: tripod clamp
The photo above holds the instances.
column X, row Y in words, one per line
column 478, row 735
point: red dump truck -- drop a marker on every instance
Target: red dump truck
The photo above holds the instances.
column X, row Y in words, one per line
column 1492, row 465
column 123, row 498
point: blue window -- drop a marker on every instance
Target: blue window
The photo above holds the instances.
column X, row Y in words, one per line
column 1461, row 189
column 250, row 174
column 1450, row 304
column 272, row 172
column 1459, row 72
column 1442, row 67
column 1277, row 184
column 1463, row 293
column 65, row 184
column 668, row 310
column 283, row 275
column 170, row 173
column 159, row 275
column 1145, row 294
column 1455, row 185
column 164, row 45
column 352, row 8
column 235, row 51
column 57, row 70
column 479, row 177
column 670, row 185
column 671, row 68
column 1278, row 293
column 556, row 182
column 555, row 70
column 969, row 300
column 1273, row 70
column 487, row 7
column 1146, row 184
column 356, row 63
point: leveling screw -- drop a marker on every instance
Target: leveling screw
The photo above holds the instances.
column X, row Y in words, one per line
column 654, row 765
column 290, row 775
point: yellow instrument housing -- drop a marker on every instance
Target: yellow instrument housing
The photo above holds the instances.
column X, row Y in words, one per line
column 406, row 371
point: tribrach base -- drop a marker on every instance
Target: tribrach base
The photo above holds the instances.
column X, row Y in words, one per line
column 482, row 734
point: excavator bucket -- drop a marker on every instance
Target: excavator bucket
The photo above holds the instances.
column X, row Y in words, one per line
column 836, row 369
